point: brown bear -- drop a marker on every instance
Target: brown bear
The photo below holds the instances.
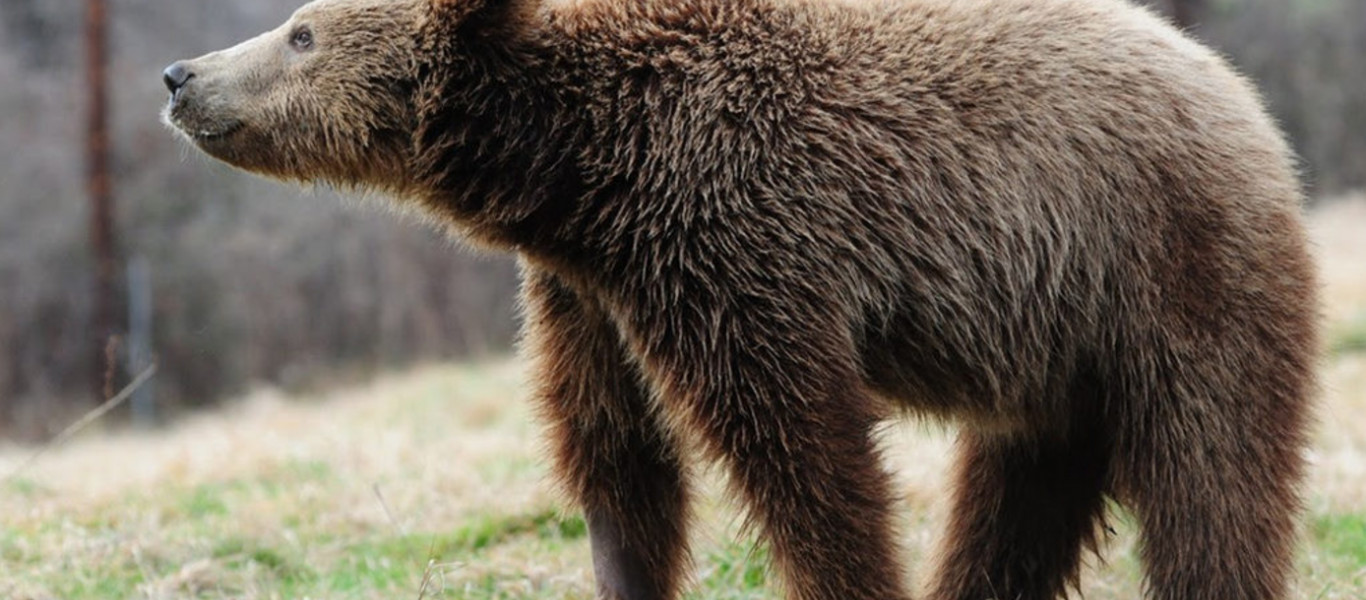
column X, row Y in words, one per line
column 753, row 229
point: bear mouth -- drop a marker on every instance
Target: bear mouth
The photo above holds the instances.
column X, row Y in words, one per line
column 206, row 133
column 213, row 135
column 191, row 121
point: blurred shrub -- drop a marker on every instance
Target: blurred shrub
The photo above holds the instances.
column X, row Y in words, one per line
column 1309, row 59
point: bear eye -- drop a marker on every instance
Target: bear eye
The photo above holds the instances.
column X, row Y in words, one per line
column 302, row 39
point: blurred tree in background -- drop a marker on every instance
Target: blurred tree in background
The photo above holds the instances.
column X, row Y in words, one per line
column 252, row 281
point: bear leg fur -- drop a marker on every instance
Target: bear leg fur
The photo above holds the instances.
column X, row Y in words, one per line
column 1024, row 507
column 782, row 405
column 1213, row 484
column 611, row 456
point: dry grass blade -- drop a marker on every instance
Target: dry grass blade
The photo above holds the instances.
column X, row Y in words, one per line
column 83, row 422
column 389, row 514
column 426, row 578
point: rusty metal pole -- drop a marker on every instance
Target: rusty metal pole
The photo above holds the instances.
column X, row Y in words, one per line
column 99, row 188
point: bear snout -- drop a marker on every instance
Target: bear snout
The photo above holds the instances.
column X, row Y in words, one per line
column 176, row 75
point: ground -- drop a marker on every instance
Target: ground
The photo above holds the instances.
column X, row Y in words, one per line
column 429, row 484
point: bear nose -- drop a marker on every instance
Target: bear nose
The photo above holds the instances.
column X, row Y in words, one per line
column 176, row 75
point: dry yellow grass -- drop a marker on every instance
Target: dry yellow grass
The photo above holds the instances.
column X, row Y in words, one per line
column 1339, row 458
column 359, row 493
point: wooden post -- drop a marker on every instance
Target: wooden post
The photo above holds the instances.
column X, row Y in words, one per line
column 99, row 188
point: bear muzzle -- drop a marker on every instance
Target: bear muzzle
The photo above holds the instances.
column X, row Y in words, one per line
column 197, row 112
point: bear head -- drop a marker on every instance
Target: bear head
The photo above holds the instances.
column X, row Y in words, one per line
column 330, row 95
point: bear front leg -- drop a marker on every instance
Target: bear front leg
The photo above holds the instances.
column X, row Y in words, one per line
column 610, row 454
column 779, row 400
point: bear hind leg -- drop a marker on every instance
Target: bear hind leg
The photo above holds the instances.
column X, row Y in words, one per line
column 1215, row 492
column 1024, row 509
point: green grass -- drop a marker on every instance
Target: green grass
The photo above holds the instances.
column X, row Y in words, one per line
column 735, row 571
column 1350, row 337
column 202, row 502
column 309, row 560
column 480, row 533
column 1339, row 545
column 437, row 477
column 1342, row 540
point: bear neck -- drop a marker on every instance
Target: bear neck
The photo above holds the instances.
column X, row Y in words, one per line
column 496, row 132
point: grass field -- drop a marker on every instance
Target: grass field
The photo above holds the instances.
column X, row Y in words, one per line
column 428, row 484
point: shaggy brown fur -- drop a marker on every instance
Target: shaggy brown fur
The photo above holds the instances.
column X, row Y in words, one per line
column 761, row 226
